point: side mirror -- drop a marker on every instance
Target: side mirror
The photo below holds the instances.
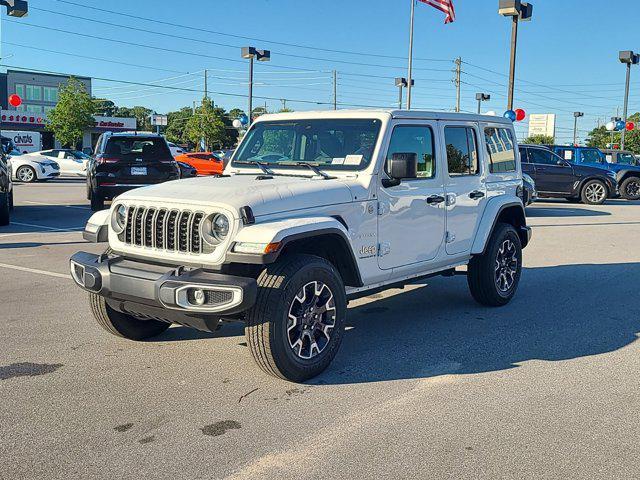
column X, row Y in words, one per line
column 401, row 166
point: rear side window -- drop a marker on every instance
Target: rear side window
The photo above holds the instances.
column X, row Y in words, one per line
column 501, row 150
column 565, row 153
column 540, row 156
column 137, row 149
column 462, row 153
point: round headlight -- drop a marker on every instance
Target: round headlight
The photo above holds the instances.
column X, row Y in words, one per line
column 220, row 227
column 119, row 218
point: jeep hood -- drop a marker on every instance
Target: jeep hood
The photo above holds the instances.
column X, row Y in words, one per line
column 266, row 196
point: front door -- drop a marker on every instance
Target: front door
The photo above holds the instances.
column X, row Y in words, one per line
column 553, row 174
column 411, row 224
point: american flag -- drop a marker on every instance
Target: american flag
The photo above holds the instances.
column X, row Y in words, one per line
column 445, row 6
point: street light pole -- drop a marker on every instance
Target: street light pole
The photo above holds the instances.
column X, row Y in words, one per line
column 629, row 58
column 400, row 83
column 482, row 97
column 518, row 11
column 262, row 56
column 410, row 69
column 576, row 115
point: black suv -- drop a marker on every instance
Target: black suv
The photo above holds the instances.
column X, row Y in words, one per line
column 558, row 178
column 123, row 161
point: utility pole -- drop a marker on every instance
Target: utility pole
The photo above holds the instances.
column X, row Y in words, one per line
column 335, row 90
column 410, row 69
column 576, row 115
column 457, row 82
column 284, row 103
column 206, row 91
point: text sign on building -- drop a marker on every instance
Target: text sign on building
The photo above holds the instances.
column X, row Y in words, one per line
column 542, row 124
column 159, row 120
column 115, row 123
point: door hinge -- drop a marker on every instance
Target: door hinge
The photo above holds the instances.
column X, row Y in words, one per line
column 450, row 237
column 384, row 249
column 383, row 208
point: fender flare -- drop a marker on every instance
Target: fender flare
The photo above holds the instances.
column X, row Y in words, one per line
column 487, row 225
column 97, row 228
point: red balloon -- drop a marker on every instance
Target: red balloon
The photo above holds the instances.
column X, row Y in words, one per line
column 15, row 100
column 630, row 126
column 520, row 114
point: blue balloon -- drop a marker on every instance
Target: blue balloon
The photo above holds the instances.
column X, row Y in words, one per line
column 620, row 125
column 244, row 120
column 511, row 115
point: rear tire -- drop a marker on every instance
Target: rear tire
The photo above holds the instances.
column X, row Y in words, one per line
column 123, row 325
column 296, row 326
column 97, row 202
column 594, row 192
column 630, row 188
column 4, row 209
column 493, row 277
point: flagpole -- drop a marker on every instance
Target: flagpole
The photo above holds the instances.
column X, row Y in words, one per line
column 410, row 73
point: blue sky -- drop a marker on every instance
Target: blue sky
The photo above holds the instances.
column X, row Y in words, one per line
column 567, row 57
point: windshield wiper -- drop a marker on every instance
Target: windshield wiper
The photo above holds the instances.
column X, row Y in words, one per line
column 312, row 167
column 261, row 165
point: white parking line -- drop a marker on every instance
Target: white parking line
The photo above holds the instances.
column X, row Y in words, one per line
column 33, row 270
column 17, row 234
column 53, row 229
column 55, row 205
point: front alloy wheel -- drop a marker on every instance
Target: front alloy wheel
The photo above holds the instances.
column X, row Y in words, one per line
column 312, row 317
column 506, row 266
column 26, row 174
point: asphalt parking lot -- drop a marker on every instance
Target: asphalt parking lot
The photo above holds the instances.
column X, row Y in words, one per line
column 427, row 384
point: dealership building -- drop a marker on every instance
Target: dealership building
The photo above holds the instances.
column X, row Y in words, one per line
column 39, row 94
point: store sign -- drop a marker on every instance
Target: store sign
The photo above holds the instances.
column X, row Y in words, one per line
column 24, row 118
column 542, row 124
column 35, row 120
column 115, row 123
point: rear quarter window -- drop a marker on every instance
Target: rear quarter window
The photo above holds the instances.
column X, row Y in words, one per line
column 500, row 149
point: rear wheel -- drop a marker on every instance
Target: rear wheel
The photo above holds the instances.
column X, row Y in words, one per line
column 630, row 188
column 11, row 200
column 121, row 324
column 4, row 209
column 493, row 277
column 296, row 325
column 97, row 202
column 26, row 174
column 594, row 192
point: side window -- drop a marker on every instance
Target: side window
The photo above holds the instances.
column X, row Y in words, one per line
column 501, row 150
column 524, row 156
column 462, row 153
column 538, row 155
column 418, row 140
column 566, row 154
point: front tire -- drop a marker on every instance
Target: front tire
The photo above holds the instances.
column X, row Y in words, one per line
column 4, row 209
column 26, row 174
column 630, row 188
column 493, row 277
column 594, row 192
column 97, row 202
column 123, row 325
column 296, row 326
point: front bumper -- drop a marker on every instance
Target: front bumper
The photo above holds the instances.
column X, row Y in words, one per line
column 163, row 292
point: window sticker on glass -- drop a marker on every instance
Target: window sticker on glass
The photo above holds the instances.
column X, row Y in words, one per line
column 353, row 159
column 337, row 161
column 568, row 154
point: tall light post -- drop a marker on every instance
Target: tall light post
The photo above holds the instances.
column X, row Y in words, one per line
column 260, row 55
column 576, row 115
column 400, row 83
column 630, row 58
column 518, row 11
column 482, row 97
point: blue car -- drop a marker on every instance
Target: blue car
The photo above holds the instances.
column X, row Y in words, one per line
column 628, row 176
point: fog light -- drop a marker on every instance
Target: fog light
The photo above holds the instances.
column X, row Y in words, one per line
column 196, row 296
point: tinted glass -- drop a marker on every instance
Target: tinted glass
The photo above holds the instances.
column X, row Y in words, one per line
column 341, row 144
column 524, row 157
column 590, row 156
column 462, row 154
column 626, row 158
column 131, row 149
column 501, row 150
column 538, row 155
column 418, row 140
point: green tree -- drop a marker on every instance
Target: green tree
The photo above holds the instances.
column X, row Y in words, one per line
column 600, row 137
column 539, row 140
column 104, row 106
column 208, row 124
column 177, row 124
column 235, row 113
column 141, row 115
column 72, row 115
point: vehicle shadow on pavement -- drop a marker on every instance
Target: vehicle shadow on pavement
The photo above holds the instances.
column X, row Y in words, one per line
column 5, row 246
column 559, row 313
column 563, row 212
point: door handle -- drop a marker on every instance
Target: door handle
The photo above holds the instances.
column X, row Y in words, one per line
column 476, row 194
column 435, row 199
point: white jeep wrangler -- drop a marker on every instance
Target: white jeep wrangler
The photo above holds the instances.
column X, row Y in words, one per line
column 314, row 209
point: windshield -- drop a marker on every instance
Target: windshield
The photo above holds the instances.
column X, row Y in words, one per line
column 626, row 158
column 340, row 144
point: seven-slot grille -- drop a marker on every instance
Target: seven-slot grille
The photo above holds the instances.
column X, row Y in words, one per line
column 164, row 229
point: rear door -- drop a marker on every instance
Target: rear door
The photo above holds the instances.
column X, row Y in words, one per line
column 465, row 186
column 69, row 164
column 138, row 160
column 527, row 166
